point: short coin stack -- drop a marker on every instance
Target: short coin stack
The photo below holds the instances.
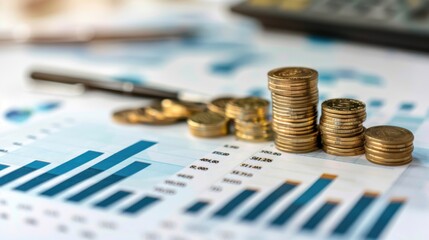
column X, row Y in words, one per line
column 247, row 109
column 389, row 145
column 295, row 97
column 249, row 115
column 218, row 105
column 341, row 126
column 254, row 131
column 208, row 124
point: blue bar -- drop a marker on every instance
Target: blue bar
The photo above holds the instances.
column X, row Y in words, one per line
column 385, row 218
column 3, row 166
column 22, row 171
column 304, row 199
column 269, row 201
column 357, row 211
column 140, row 205
column 234, row 203
column 112, row 199
column 320, row 215
column 59, row 170
column 98, row 168
column 197, row 207
column 120, row 175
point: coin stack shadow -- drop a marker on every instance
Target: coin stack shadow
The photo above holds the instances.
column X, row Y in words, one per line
column 389, row 145
column 341, row 127
column 250, row 119
column 295, row 96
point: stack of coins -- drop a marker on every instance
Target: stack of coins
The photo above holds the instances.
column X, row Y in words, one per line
column 295, row 97
column 208, row 124
column 247, row 109
column 218, row 105
column 254, row 131
column 389, row 145
column 249, row 115
column 341, row 126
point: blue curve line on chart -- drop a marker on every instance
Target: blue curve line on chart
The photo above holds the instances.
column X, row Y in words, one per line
column 231, row 65
column 18, row 115
column 329, row 77
column 21, row 115
column 47, row 106
column 407, row 106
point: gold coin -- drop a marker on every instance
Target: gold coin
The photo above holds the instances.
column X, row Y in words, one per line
column 342, row 127
column 291, row 144
column 344, row 150
column 292, row 150
column 181, row 109
column 342, row 144
column 156, row 110
column 294, row 125
column 391, row 150
column 389, row 135
column 329, row 130
column 205, row 119
column 382, row 145
column 294, row 93
column 343, row 154
column 282, row 108
column 294, row 131
column 342, row 121
column 292, row 74
column 343, row 106
column 289, row 98
column 361, row 116
column 294, row 83
column 288, row 87
column 140, row 116
column 359, row 137
column 123, row 116
column 339, row 123
column 218, row 105
column 388, row 155
column 210, row 134
column 376, row 160
column 248, row 103
column 342, row 135
column 286, row 120
column 253, row 138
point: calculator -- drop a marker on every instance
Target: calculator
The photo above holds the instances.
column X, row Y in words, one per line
column 401, row 23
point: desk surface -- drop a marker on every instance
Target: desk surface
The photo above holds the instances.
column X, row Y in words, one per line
column 171, row 191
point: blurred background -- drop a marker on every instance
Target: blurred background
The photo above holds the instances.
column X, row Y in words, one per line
column 214, row 47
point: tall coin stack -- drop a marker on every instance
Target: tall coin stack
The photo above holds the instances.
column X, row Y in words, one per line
column 341, row 126
column 295, row 97
column 389, row 145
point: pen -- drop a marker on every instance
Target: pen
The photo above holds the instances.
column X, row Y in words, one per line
column 99, row 82
column 87, row 35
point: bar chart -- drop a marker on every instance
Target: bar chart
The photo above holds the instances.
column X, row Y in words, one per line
column 97, row 171
column 308, row 202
